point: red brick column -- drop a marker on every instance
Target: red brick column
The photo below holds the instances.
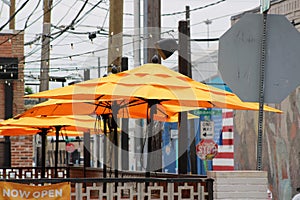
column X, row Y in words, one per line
column 12, row 46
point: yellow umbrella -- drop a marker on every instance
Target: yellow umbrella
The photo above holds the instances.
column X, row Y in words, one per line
column 149, row 82
column 74, row 123
column 81, row 123
column 8, row 130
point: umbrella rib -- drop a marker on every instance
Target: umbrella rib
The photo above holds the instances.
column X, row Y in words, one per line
column 163, row 112
column 105, row 105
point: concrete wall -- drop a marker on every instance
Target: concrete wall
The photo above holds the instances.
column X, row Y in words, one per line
column 229, row 185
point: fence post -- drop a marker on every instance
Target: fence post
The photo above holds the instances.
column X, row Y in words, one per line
column 210, row 188
column 78, row 191
column 170, row 191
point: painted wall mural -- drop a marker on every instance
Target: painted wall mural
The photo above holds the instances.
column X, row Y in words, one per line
column 281, row 145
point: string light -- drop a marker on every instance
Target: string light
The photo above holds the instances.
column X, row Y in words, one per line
column 72, row 47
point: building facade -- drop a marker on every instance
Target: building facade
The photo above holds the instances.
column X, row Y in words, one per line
column 281, row 135
column 14, row 151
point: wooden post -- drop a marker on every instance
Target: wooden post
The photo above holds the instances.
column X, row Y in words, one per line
column 11, row 12
column 45, row 53
column 152, row 13
column 192, row 133
column 125, row 129
column 115, row 40
column 182, row 121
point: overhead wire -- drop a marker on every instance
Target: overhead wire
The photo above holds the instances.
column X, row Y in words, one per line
column 74, row 22
column 88, row 52
column 26, row 26
column 13, row 15
column 194, row 9
column 106, row 17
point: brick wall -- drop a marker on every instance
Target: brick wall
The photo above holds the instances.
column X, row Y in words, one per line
column 21, row 151
column 12, row 46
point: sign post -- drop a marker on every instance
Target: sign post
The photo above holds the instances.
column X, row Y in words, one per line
column 258, row 61
column 206, row 149
column 264, row 6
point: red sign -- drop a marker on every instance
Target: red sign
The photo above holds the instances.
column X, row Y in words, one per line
column 70, row 147
column 206, row 149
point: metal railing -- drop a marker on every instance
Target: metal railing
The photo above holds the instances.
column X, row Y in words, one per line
column 129, row 185
column 133, row 188
column 32, row 172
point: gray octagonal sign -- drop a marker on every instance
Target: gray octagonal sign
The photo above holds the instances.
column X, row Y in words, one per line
column 239, row 58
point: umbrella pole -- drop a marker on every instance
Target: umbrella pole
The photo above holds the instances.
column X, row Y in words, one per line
column 183, row 143
column 43, row 135
column 86, row 152
column 104, row 150
column 150, row 136
column 57, row 129
column 115, row 139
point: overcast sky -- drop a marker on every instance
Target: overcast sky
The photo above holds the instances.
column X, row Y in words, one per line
column 68, row 44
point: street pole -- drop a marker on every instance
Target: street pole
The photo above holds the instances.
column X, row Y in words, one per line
column 11, row 12
column 125, row 128
column 192, row 132
column 207, row 22
column 261, row 94
column 45, row 53
column 115, row 40
column 99, row 68
column 182, row 117
column 137, row 62
column 115, row 48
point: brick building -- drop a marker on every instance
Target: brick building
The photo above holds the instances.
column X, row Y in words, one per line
column 14, row 151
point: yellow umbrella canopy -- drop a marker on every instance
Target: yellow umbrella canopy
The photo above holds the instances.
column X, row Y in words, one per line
column 56, row 107
column 150, row 83
column 8, row 130
column 46, row 124
column 17, row 131
column 73, row 123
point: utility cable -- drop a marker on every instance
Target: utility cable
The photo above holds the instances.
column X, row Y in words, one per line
column 13, row 15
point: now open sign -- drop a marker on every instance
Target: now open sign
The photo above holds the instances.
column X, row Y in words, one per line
column 16, row 191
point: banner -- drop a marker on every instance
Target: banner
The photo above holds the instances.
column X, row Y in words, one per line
column 17, row 191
